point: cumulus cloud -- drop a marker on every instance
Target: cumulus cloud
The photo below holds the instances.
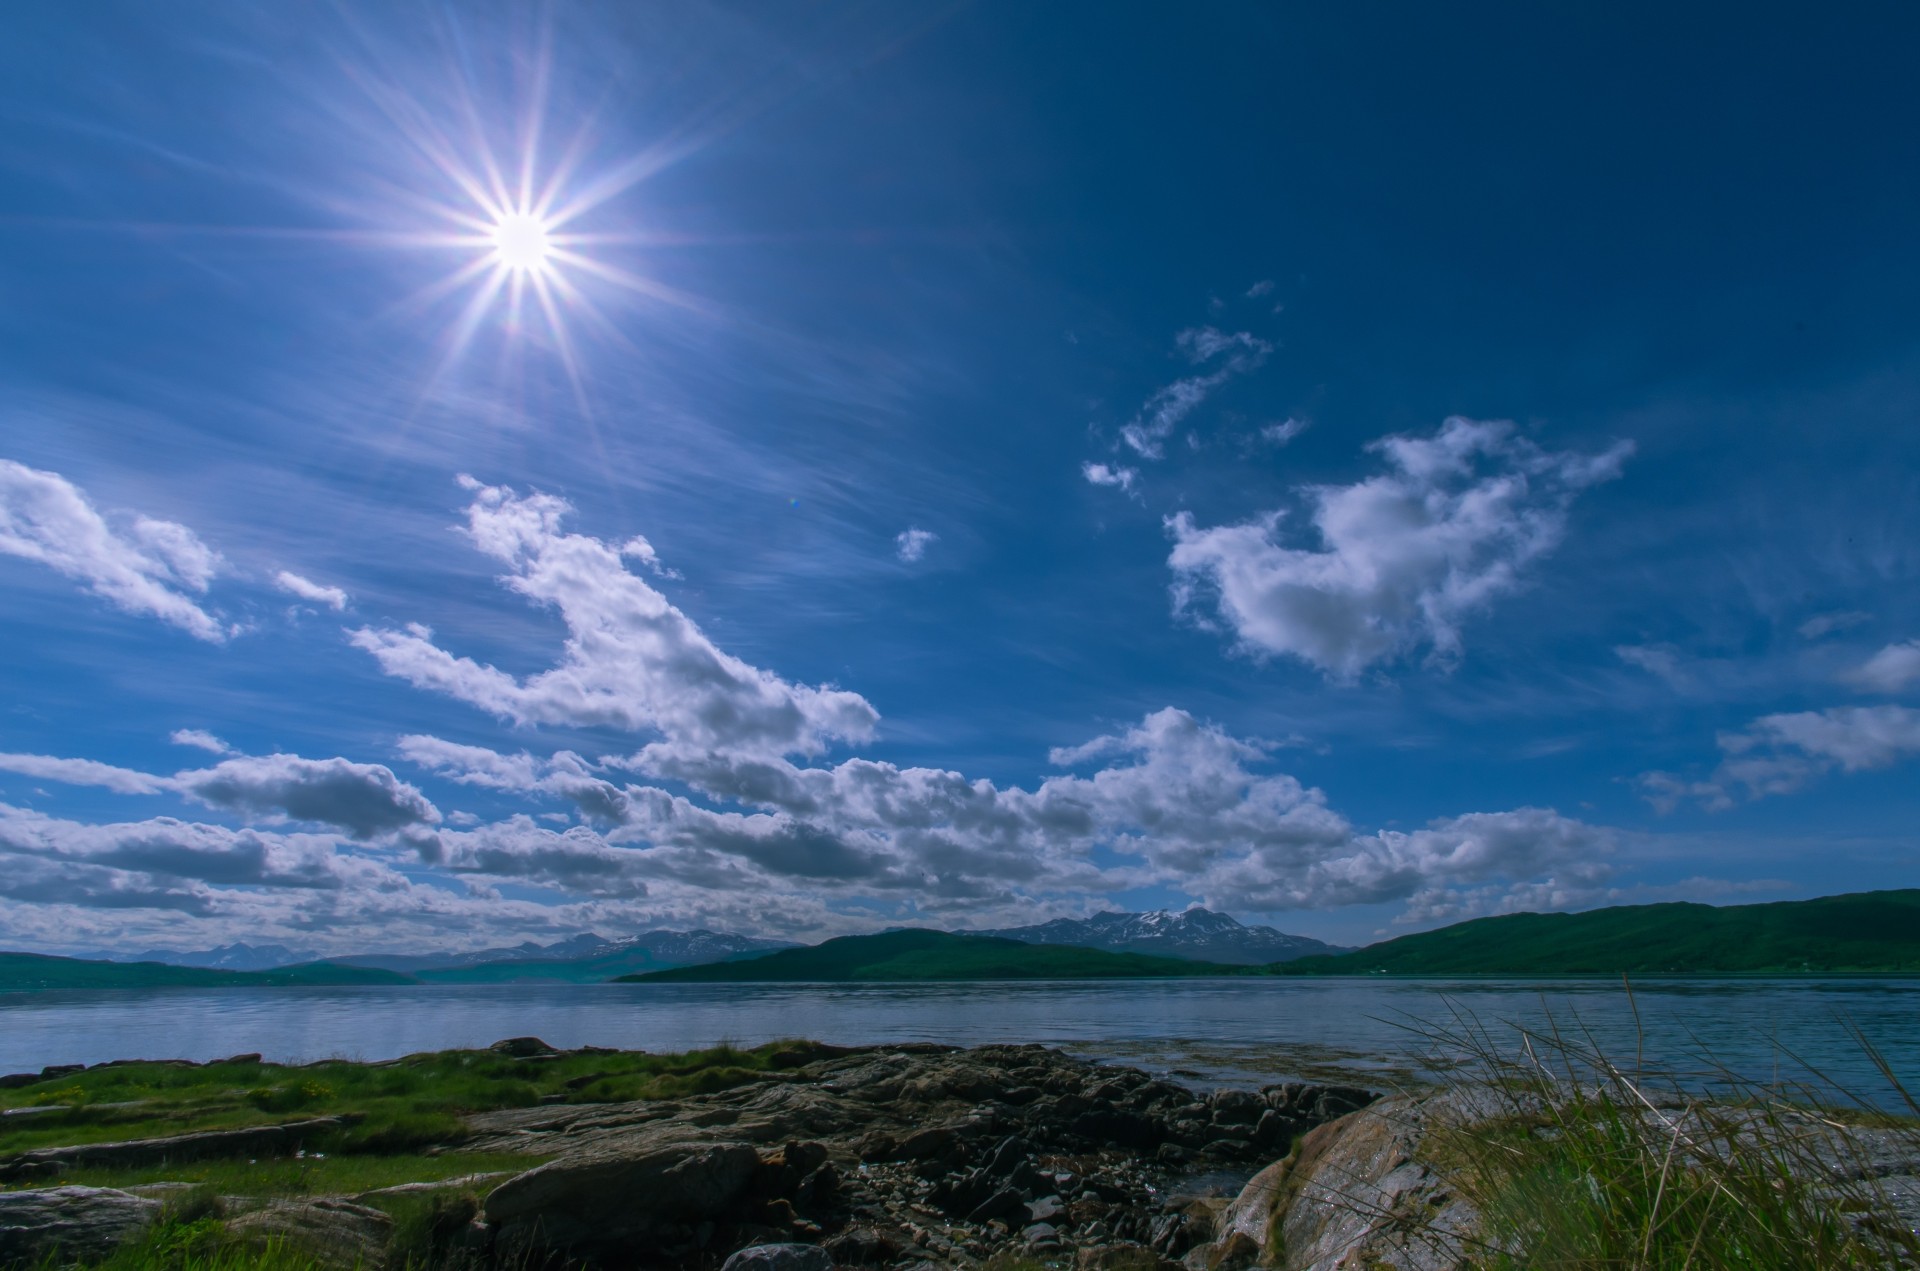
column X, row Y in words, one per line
column 200, row 739
column 165, row 852
column 1783, row 753
column 363, row 799
column 1403, row 558
column 1110, row 475
column 1232, row 354
column 912, row 543
column 293, row 584
column 632, row 660
column 147, row 566
column 564, row 774
column 1892, row 669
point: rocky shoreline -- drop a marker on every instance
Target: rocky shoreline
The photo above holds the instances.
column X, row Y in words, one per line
column 906, row 1158
column 882, row 1157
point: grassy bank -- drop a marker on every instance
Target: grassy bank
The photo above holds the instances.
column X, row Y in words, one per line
column 397, row 1107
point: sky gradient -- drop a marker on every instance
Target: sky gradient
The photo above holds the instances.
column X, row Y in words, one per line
column 489, row 472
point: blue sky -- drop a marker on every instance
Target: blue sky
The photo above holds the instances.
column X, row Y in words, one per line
column 972, row 464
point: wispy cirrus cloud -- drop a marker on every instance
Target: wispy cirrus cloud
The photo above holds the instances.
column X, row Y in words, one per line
column 1403, row 558
column 1229, row 355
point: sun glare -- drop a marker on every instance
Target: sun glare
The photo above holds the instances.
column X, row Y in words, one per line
column 522, row 242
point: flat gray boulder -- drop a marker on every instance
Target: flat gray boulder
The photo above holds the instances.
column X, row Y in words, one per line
column 63, row 1225
column 782, row 1257
column 606, row 1199
column 334, row 1233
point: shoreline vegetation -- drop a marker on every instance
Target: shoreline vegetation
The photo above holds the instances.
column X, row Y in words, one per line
column 1866, row 934
column 1536, row 1151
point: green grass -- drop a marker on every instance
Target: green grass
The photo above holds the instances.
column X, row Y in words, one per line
column 936, row 955
column 1584, row 1165
column 1868, row 932
column 38, row 973
column 403, row 1106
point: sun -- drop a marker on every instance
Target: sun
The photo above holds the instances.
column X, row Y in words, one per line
column 522, row 243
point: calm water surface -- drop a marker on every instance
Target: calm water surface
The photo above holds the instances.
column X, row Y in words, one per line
column 1211, row 1032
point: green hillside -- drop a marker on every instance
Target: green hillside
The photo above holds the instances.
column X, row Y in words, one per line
column 1876, row 931
column 935, row 955
column 37, row 973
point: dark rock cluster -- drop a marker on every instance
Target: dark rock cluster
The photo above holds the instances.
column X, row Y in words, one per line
column 895, row 1156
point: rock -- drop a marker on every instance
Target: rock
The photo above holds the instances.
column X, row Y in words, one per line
column 58, row 1226
column 523, row 1048
column 251, row 1057
column 610, row 1200
column 780, row 1257
column 864, row 1246
column 1005, row 1203
column 1229, row 1254
column 1236, row 1107
column 14, row 1080
column 334, row 1233
column 1046, row 1209
column 252, row 1141
column 1356, row 1193
column 60, row 1070
column 928, row 1144
column 1040, row 1235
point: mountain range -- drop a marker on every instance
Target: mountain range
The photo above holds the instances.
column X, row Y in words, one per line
column 1198, row 934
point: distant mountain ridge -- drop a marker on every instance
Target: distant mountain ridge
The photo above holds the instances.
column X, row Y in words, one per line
column 39, row 973
column 914, row 954
column 1199, row 935
column 581, row 959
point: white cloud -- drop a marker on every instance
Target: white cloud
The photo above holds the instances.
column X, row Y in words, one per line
column 200, row 739
column 363, row 799
column 1239, row 352
column 1826, row 624
column 1262, row 288
column 1104, row 474
column 1783, row 753
column 148, row 568
column 1405, row 557
column 1286, row 430
column 911, row 544
column 565, row 774
column 83, row 772
column 1892, row 669
column 632, row 660
column 292, row 583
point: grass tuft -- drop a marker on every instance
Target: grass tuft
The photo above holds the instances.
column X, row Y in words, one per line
column 1579, row 1163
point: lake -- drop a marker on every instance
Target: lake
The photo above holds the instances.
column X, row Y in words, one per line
column 1209, row 1032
